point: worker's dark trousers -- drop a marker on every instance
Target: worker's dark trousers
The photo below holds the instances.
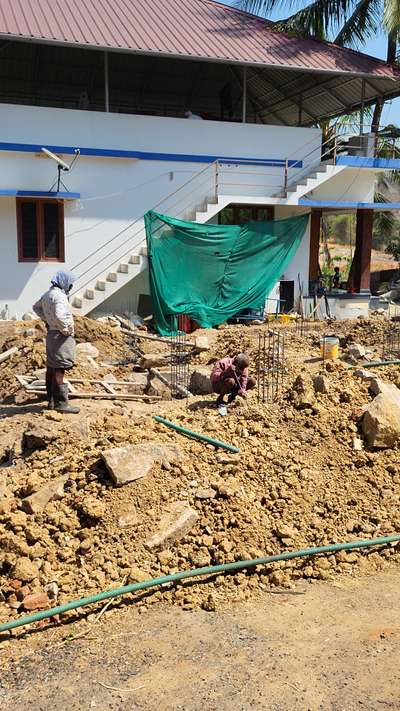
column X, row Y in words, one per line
column 229, row 386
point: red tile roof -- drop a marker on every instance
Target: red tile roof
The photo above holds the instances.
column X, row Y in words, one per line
column 183, row 28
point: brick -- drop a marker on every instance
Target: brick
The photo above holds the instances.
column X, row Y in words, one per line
column 36, row 601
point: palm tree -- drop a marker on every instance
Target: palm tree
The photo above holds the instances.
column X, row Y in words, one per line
column 349, row 22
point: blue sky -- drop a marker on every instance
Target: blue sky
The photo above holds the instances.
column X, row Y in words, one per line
column 377, row 48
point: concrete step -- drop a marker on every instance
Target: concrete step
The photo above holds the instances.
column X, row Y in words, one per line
column 112, row 276
column 134, row 259
column 123, row 268
column 100, row 285
column 77, row 302
column 89, row 294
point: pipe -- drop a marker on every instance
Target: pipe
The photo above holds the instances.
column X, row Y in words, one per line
column 377, row 363
column 196, row 435
column 195, row 572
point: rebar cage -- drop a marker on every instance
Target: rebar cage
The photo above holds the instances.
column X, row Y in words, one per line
column 270, row 366
column 391, row 342
column 179, row 361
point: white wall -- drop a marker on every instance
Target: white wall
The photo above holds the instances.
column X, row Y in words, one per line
column 350, row 184
column 117, row 192
column 298, row 268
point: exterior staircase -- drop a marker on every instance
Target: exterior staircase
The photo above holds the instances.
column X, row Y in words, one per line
column 91, row 291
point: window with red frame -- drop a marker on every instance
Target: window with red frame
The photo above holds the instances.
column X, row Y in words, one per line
column 40, row 225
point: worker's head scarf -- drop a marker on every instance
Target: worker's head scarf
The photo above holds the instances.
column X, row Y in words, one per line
column 64, row 280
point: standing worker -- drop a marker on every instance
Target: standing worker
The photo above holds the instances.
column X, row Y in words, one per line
column 230, row 376
column 54, row 309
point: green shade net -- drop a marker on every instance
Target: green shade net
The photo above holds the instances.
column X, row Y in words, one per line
column 211, row 272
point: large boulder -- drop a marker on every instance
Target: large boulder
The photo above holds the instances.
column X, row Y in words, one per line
column 201, row 344
column 154, row 360
column 200, row 383
column 178, row 519
column 126, row 464
column 381, row 421
column 86, row 349
column 39, row 435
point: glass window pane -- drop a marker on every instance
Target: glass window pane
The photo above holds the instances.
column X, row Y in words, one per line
column 51, row 230
column 29, row 236
column 263, row 214
column 244, row 214
column 226, row 216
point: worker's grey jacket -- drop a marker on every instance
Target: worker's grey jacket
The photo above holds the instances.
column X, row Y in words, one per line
column 54, row 309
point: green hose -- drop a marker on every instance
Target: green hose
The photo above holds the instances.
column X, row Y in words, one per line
column 196, row 435
column 195, row 572
column 377, row 363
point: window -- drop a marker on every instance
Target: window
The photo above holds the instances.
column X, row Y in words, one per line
column 40, row 225
column 240, row 214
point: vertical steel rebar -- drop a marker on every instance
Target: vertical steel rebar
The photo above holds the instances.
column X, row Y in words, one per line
column 270, row 366
column 179, row 362
column 391, row 343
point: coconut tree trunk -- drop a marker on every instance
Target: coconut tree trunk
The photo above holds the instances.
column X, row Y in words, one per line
column 392, row 46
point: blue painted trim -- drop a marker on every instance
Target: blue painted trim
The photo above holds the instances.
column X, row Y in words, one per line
column 39, row 194
column 358, row 205
column 365, row 162
column 145, row 155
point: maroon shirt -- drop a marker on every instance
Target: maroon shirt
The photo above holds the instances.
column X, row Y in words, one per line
column 225, row 368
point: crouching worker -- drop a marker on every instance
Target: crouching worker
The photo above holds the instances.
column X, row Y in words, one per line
column 230, row 376
column 54, row 309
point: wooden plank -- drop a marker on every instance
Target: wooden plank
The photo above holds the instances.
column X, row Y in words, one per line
column 103, row 396
column 159, row 339
column 8, row 354
column 108, row 387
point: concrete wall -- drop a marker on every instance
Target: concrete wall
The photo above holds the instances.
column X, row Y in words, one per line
column 105, row 224
column 297, row 269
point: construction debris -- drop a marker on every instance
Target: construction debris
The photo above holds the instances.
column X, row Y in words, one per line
column 307, row 473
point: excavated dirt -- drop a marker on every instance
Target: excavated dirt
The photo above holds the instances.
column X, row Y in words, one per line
column 297, row 481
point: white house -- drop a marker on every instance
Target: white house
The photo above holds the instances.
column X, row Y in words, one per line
column 108, row 87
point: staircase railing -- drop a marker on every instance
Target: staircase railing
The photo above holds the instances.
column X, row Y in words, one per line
column 221, row 177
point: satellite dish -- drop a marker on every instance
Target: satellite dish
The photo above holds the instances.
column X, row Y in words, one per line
column 57, row 159
column 61, row 165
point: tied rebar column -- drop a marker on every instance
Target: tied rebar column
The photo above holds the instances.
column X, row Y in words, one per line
column 270, row 366
column 391, row 343
column 179, row 361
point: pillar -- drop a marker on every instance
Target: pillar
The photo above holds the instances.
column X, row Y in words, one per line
column 362, row 253
column 315, row 232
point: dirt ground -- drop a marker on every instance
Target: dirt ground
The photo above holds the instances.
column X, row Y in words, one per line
column 323, row 646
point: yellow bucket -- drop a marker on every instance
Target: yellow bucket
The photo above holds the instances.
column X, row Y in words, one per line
column 285, row 318
column 329, row 348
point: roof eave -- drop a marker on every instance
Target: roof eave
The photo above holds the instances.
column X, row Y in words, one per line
column 194, row 57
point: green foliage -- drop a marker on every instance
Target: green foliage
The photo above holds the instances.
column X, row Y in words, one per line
column 393, row 246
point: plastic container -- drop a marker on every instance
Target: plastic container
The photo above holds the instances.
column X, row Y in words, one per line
column 329, row 347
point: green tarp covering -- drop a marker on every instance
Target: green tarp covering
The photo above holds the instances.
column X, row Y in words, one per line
column 211, row 272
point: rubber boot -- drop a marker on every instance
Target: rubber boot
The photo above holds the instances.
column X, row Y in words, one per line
column 220, row 400
column 232, row 396
column 61, row 403
column 49, row 391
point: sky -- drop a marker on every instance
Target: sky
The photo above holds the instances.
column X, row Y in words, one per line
column 377, row 48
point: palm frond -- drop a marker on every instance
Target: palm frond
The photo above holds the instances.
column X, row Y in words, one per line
column 391, row 16
column 318, row 19
column 263, row 7
column 362, row 24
